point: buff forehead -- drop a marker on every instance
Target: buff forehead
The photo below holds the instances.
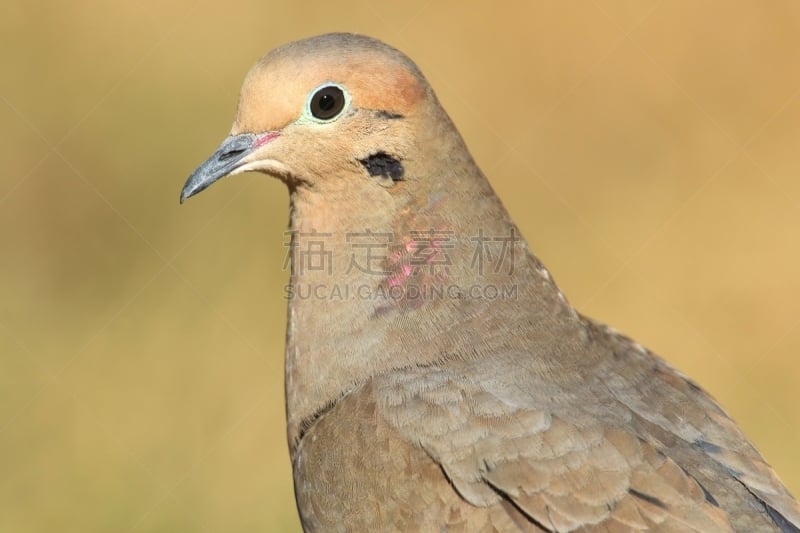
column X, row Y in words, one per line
column 277, row 87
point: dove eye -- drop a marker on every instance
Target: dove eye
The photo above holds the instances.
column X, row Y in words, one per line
column 327, row 102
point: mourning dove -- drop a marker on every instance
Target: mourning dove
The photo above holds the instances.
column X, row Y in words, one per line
column 436, row 377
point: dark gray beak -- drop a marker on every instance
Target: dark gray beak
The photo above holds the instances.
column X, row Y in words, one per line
column 225, row 160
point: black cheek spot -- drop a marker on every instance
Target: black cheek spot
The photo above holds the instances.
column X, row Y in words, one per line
column 383, row 164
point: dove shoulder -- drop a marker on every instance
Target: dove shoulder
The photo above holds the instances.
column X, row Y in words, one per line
column 482, row 444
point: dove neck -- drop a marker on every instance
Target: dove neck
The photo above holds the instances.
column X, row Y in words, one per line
column 384, row 281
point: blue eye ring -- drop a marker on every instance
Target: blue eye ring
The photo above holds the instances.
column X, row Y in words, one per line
column 327, row 102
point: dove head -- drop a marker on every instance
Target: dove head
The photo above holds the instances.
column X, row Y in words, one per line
column 381, row 179
column 333, row 112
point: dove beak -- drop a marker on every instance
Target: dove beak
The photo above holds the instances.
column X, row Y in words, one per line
column 230, row 157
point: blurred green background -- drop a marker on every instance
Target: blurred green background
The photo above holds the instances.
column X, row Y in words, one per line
column 648, row 150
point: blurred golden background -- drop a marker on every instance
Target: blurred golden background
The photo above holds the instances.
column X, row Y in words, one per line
column 650, row 152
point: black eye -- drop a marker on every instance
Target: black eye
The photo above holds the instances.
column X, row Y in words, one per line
column 327, row 102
